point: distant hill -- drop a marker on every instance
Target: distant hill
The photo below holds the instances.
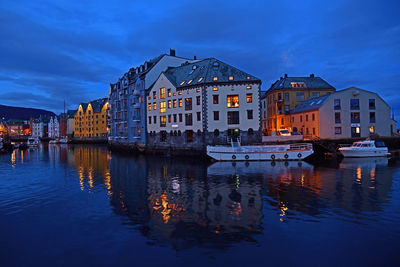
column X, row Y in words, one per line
column 18, row 113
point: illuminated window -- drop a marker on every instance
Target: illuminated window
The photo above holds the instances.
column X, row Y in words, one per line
column 180, row 93
column 232, row 101
column 189, row 82
column 200, row 79
column 174, row 103
column 188, row 103
column 249, row 98
column 338, row 130
column 174, row 94
column 215, row 78
column 198, row 100
column 182, row 83
column 169, row 104
column 198, row 90
column 371, row 129
column 169, row 92
column 163, row 121
column 298, row 84
column 154, row 95
column 248, row 77
column 215, row 99
column 180, row 102
column 231, row 78
column 215, row 89
column 163, row 107
column 149, row 106
column 154, row 106
column 248, row 87
column 162, row 92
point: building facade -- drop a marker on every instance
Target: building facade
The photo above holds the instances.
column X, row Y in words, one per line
column 38, row 128
column 54, row 127
column 288, row 92
column 127, row 99
column 203, row 103
column 90, row 120
column 264, row 110
column 347, row 113
column 71, row 122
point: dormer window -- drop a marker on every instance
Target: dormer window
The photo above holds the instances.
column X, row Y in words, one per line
column 215, row 65
column 215, row 78
column 248, row 87
column 182, row 83
column 215, row 89
column 231, row 78
column 298, row 84
column 200, row 79
column 248, row 77
column 189, row 82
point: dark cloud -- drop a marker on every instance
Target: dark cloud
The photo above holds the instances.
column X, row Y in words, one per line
column 73, row 50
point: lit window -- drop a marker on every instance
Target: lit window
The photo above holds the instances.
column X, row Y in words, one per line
column 182, row 82
column 231, row 78
column 163, row 106
column 180, row 102
column 248, row 87
column 180, row 93
column 149, row 106
column 248, row 77
column 189, row 82
column 200, row 79
column 215, row 89
column 154, row 106
column 232, row 101
column 174, row 103
column 169, row 92
column 154, row 95
column 198, row 90
column 174, row 94
column 372, row 129
column 249, row 98
column 297, row 84
column 162, row 92
column 169, row 104
column 163, row 121
column 215, row 78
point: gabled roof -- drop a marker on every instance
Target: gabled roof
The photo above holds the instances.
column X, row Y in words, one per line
column 311, row 104
column 84, row 106
column 310, row 82
column 203, row 72
column 71, row 113
column 98, row 104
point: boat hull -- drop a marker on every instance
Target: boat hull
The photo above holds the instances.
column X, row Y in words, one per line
column 347, row 153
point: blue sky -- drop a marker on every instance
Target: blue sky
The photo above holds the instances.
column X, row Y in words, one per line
column 72, row 50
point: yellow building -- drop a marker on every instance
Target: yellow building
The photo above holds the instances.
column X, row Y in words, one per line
column 91, row 119
column 286, row 93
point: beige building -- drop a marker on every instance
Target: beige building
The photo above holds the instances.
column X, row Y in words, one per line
column 206, row 102
column 347, row 113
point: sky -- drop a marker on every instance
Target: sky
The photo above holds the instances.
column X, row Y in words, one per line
column 51, row 51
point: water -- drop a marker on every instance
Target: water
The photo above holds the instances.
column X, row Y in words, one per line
column 81, row 205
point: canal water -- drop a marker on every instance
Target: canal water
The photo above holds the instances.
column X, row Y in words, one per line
column 83, row 205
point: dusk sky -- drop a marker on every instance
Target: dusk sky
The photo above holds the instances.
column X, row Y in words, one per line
column 72, row 50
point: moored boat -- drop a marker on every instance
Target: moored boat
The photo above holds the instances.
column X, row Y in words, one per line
column 54, row 142
column 33, row 141
column 366, row 148
column 236, row 152
column 63, row 140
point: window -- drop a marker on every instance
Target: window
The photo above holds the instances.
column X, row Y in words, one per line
column 149, row 106
column 174, row 117
column 215, row 99
column 216, row 132
column 313, row 131
column 182, row 83
column 249, row 98
column 198, row 116
column 372, row 117
column 149, row 119
column 188, row 103
column 298, row 84
column 250, row 114
column 355, row 132
column 154, row 95
column 174, row 94
column 190, row 81
column 372, row 104
column 198, row 100
column 215, row 78
column 169, row 92
column 179, row 93
column 233, row 117
column 169, row 118
column 306, row 117
column 233, row 101
column 286, row 96
column 174, row 103
column 189, row 136
column 338, row 130
column 154, row 119
column 355, row 117
column 313, row 117
column 188, row 119
column 336, row 104
column 248, row 87
column 300, row 96
column 371, row 129
column 354, row 104
column 301, row 118
column 315, row 94
column 163, row 121
column 163, row 107
column 169, row 104
column 231, row 78
column 287, row 109
column 198, row 90
column 337, row 117
column 200, row 79
column 154, row 106
column 216, row 115
column 215, row 89
column 180, row 117
column 162, row 92
column 163, row 136
column 180, row 102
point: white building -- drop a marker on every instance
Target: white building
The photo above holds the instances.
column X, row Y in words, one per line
column 347, row 113
column 206, row 102
column 264, row 109
column 53, row 128
column 37, row 128
column 70, row 122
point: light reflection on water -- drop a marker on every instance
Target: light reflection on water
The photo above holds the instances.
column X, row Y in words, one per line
column 186, row 204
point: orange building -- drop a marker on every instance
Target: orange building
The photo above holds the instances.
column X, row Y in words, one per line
column 91, row 119
column 286, row 93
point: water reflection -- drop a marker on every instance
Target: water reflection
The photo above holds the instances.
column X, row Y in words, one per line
column 182, row 203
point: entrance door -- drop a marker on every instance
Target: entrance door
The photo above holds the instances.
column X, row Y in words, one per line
column 234, row 134
column 355, row 132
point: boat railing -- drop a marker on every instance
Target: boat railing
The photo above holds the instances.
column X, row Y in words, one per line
column 303, row 146
column 231, row 140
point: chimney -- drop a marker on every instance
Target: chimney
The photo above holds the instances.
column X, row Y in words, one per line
column 312, row 75
column 172, row 52
column 194, row 57
column 285, row 75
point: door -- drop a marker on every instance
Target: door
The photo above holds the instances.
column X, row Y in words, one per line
column 355, row 132
column 234, row 134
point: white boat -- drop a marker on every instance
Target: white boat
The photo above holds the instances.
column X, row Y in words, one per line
column 33, row 141
column 236, row 152
column 63, row 140
column 54, row 142
column 367, row 148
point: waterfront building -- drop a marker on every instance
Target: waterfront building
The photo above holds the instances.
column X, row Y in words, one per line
column 18, row 127
column 54, row 127
column 71, row 122
column 91, row 119
column 38, row 128
column 203, row 103
column 352, row 112
column 3, row 128
column 127, row 99
column 263, row 108
column 288, row 92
